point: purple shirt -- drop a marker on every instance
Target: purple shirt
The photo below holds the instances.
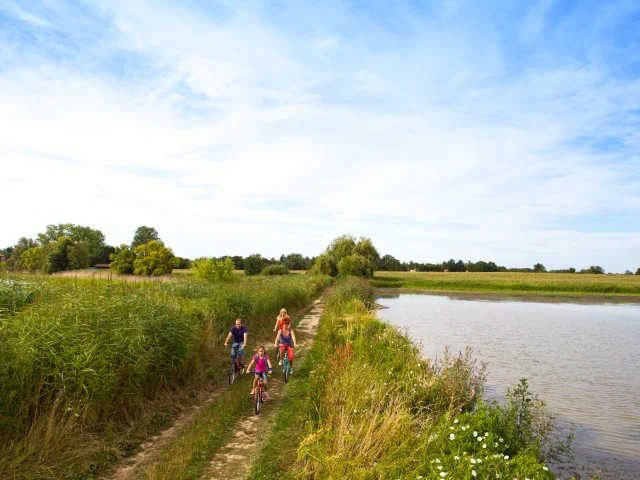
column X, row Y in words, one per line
column 238, row 333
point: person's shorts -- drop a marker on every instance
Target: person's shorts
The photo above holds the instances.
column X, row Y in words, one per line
column 233, row 350
column 262, row 375
column 289, row 351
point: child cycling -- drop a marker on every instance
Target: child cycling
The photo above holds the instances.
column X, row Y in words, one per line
column 286, row 339
column 263, row 364
column 239, row 334
column 281, row 316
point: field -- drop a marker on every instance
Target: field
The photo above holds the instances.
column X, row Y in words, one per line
column 627, row 285
column 84, row 359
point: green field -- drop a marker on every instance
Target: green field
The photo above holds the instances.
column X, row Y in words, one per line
column 84, row 359
column 582, row 284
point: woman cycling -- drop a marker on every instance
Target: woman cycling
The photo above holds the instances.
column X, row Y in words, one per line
column 286, row 339
column 281, row 316
column 262, row 364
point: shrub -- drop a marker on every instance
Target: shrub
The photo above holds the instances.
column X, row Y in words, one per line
column 356, row 265
column 122, row 260
column 213, row 270
column 275, row 270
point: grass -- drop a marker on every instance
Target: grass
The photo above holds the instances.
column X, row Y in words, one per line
column 364, row 412
column 89, row 356
column 512, row 282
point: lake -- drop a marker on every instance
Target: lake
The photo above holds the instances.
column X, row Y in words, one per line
column 583, row 360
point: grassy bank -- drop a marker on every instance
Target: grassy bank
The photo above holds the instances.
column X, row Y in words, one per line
column 369, row 406
column 581, row 284
column 83, row 357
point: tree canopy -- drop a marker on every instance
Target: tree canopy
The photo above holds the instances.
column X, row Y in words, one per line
column 144, row 235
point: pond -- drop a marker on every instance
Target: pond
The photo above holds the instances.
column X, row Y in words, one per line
column 583, row 360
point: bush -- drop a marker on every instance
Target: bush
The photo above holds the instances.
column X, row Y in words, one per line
column 253, row 264
column 213, row 270
column 122, row 260
column 356, row 265
column 275, row 270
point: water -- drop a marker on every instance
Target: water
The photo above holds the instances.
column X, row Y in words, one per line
column 584, row 360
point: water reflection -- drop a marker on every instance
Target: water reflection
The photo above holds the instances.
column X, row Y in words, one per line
column 582, row 359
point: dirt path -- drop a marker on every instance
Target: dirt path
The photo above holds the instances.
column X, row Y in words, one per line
column 235, row 459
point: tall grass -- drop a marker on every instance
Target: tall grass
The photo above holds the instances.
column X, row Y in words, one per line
column 512, row 282
column 379, row 410
column 15, row 294
column 89, row 353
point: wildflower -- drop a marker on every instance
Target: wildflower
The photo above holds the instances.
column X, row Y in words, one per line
column 77, row 415
column 495, row 444
column 464, row 428
column 456, row 457
column 545, row 469
column 500, row 440
column 411, row 372
column 419, row 476
column 506, row 457
column 439, row 467
column 355, row 410
column 451, row 428
column 473, row 460
column 473, row 472
column 479, row 439
column 484, row 445
column 455, row 421
column 486, row 434
column 452, row 436
column 443, row 474
column 475, row 434
column 418, row 364
column 479, row 460
column 437, row 460
column 497, row 475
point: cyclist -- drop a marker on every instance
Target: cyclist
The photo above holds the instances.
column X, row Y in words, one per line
column 286, row 339
column 263, row 364
column 239, row 333
column 281, row 316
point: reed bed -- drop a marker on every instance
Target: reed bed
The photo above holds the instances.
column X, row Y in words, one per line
column 563, row 283
column 378, row 410
column 88, row 354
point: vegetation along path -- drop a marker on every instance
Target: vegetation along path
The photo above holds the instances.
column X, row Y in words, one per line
column 220, row 436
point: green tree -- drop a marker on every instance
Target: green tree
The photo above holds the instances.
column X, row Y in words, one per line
column 93, row 239
column 628, row 272
column 273, row 270
column 154, row 258
column 57, row 259
column 144, row 235
column 364, row 246
column 295, row 261
column 638, row 271
column 356, row 265
column 32, row 259
column 389, row 263
column 454, row 266
column 324, row 265
column 594, row 269
column 254, row 264
column 238, row 261
column 19, row 248
column 122, row 260
column 539, row 268
column 341, row 247
column 213, row 270
column 78, row 256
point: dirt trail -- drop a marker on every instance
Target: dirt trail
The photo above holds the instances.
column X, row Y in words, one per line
column 235, row 460
column 129, row 468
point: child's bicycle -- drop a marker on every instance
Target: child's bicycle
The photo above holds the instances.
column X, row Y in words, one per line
column 259, row 395
column 235, row 368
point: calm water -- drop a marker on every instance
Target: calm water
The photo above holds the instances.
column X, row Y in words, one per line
column 584, row 360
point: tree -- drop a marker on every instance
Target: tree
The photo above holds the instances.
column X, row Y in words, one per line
column 20, row 247
column 238, row 262
column 364, row 247
column 341, row 247
column 213, row 270
column 57, row 259
column 638, row 271
column 593, row 269
column 93, row 239
column 145, row 235
column 539, row 268
column 356, row 265
column 254, row 264
column 122, row 260
column 153, row 258
column 78, row 256
column 32, row 259
column 389, row 263
column 273, row 270
column 454, row 266
column 295, row 261
column 324, row 265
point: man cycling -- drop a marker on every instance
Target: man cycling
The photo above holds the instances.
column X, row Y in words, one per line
column 239, row 333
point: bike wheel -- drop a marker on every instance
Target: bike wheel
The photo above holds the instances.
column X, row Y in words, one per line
column 256, row 399
column 286, row 368
column 232, row 372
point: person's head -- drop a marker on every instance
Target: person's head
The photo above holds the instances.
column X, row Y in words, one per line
column 261, row 351
column 238, row 323
column 283, row 312
column 286, row 322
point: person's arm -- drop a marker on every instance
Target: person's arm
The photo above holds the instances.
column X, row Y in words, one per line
column 275, row 343
column 269, row 363
column 277, row 324
column 293, row 335
column 245, row 340
column 226, row 342
column 250, row 365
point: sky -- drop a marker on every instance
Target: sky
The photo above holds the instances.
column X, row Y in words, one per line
column 502, row 130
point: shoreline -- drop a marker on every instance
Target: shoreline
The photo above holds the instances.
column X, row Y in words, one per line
column 501, row 296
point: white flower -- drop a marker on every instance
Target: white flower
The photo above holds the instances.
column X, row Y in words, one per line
column 473, row 460
column 495, row 444
column 443, row 474
column 77, row 415
column 473, row 472
column 452, row 436
column 418, row 364
column 456, row 457
column 545, row 469
column 486, row 434
column 506, row 457
column 501, row 440
column 68, row 409
column 455, row 421
column 484, row 445
column 355, row 410
column 479, row 439
column 411, row 371
column 497, row 475
column 439, row 467
column 464, row 428
column 479, row 460
column 475, row 434
column 437, row 460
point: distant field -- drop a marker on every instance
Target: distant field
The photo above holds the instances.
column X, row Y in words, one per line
column 512, row 282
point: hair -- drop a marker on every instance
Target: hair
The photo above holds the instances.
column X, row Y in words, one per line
column 283, row 311
column 262, row 347
column 286, row 320
column 238, row 319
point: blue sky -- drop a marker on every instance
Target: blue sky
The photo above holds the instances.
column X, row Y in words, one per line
column 505, row 131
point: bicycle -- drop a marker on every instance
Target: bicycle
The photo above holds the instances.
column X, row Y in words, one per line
column 235, row 368
column 259, row 395
column 286, row 366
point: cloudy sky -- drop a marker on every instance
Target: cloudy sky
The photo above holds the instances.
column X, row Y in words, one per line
column 502, row 130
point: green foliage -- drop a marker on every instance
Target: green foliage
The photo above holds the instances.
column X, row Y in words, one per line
column 213, row 270
column 22, row 246
column 184, row 263
column 539, row 268
column 389, row 263
column 638, row 271
column 57, row 260
column 275, row 270
column 94, row 240
column 594, row 269
column 324, row 265
column 78, row 256
column 254, row 264
column 122, row 260
column 341, row 247
column 482, row 266
column 154, row 258
column 16, row 294
column 454, row 266
column 143, row 236
column 32, row 259
column 356, row 265
column 295, row 261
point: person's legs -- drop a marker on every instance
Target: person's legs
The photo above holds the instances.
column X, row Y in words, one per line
column 241, row 354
